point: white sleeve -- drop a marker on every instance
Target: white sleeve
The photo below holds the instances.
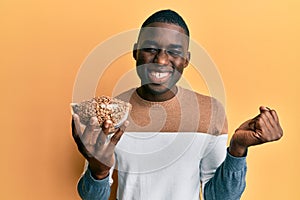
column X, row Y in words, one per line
column 214, row 156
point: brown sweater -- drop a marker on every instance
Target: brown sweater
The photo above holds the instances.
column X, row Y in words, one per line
column 188, row 111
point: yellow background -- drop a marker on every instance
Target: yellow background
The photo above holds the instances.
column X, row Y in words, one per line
column 255, row 45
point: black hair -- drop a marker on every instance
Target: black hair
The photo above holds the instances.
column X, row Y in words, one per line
column 167, row 16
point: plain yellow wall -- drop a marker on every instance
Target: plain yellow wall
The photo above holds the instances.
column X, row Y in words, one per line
column 255, row 45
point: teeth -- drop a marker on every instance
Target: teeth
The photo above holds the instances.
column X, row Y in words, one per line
column 160, row 75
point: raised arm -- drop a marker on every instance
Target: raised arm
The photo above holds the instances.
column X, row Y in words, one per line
column 228, row 181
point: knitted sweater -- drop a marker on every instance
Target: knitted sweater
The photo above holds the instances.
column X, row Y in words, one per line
column 171, row 150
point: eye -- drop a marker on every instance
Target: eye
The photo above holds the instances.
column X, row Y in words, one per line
column 174, row 53
column 150, row 50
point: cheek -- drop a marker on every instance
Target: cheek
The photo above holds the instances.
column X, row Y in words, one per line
column 143, row 58
column 180, row 65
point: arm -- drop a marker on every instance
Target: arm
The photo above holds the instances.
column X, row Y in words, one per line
column 90, row 188
column 229, row 179
column 222, row 175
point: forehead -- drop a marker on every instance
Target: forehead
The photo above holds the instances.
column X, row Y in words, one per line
column 163, row 34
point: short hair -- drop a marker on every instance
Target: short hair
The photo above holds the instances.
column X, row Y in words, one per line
column 167, row 16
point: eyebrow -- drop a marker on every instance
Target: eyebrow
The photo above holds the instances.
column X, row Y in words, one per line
column 175, row 46
column 151, row 42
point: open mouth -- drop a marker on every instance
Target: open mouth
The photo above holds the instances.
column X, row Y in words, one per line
column 157, row 77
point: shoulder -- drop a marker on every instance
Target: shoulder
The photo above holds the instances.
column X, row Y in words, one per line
column 203, row 100
column 212, row 113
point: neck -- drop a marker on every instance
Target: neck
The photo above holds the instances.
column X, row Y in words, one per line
column 155, row 97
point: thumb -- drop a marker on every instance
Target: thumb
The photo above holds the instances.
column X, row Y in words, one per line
column 263, row 109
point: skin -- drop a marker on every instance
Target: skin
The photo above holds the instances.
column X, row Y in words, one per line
column 162, row 52
column 263, row 128
column 92, row 144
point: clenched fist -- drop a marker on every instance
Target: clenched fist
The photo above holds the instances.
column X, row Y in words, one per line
column 263, row 128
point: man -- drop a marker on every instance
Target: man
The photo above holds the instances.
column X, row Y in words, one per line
column 160, row 106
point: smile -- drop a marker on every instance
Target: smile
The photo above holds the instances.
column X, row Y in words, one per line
column 159, row 77
column 159, row 74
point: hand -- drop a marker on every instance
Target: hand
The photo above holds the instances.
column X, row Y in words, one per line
column 263, row 128
column 91, row 143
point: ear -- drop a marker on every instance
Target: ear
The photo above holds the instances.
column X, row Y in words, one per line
column 134, row 51
column 187, row 59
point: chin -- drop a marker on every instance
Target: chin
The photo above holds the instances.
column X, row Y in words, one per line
column 157, row 89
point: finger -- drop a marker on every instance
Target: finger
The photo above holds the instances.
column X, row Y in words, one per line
column 107, row 124
column 94, row 136
column 102, row 138
column 251, row 125
column 277, row 127
column 257, row 116
column 263, row 109
column 265, row 130
column 260, row 127
column 268, row 119
column 76, row 129
column 116, row 137
column 76, row 133
column 89, row 132
column 272, row 120
column 274, row 115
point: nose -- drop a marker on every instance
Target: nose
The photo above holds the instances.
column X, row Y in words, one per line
column 162, row 58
